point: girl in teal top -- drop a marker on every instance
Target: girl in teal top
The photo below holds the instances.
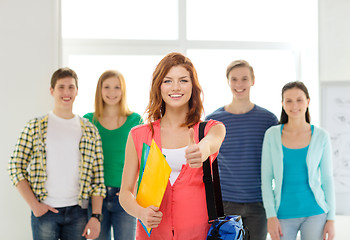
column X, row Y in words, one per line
column 297, row 182
column 114, row 121
column 296, row 202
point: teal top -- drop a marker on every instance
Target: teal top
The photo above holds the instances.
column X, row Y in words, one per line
column 297, row 199
column 319, row 171
column 113, row 145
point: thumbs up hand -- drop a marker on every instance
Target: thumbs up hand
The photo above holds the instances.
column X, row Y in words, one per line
column 193, row 153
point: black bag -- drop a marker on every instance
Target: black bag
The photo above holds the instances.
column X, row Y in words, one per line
column 222, row 227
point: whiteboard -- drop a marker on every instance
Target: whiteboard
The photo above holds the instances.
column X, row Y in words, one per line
column 335, row 119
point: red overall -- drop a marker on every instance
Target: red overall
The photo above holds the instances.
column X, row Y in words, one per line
column 184, row 205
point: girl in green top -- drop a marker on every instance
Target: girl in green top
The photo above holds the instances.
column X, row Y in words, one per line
column 114, row 120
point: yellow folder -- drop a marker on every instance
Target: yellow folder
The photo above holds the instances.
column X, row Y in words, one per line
column 154, row 179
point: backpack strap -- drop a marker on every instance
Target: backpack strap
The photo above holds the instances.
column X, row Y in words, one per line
column 212, row 185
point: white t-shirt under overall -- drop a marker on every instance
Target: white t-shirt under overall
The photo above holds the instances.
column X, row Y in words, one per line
column 176, row 159
column 62, row 161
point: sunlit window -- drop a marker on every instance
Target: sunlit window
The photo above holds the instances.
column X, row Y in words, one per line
column 278, row 38
column 270, row 75
column 137, row 71
column 110, row 19
column 249, row 20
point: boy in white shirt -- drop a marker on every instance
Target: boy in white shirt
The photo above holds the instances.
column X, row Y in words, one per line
column 57, row 165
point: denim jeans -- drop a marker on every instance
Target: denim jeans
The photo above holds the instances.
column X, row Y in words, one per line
column 114, row 216
column 67, row 224
column 253, row 217
column 311, row 228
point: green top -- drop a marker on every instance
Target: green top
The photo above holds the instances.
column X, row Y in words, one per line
column 113, row 145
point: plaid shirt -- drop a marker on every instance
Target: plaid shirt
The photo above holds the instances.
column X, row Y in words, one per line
column 28, row 161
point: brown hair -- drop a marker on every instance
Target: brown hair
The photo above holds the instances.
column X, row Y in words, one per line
column 156, row 106
column 239, row 63
column 63, row 73
column 99, row 103
column 298, row 85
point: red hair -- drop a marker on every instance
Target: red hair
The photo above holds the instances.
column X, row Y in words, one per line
column 156, row 106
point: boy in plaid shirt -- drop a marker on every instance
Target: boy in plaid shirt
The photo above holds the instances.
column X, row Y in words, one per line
column 57, row 165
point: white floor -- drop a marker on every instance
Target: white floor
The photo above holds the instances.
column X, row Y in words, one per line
column 342, row 228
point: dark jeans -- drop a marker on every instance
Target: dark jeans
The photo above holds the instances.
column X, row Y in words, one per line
column 67, row 224
column 253, row 216
column 114, row 216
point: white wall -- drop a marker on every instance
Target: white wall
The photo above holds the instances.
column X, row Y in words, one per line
column 334, row 65
column 28, row 57
column 334, row 39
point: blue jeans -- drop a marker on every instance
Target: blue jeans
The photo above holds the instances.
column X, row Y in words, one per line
column 114, row 216
column 67, row 224
column 311, row 228
column 253, row 217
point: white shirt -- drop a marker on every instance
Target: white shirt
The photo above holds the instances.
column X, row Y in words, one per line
column 176, row 159
column 62, row 161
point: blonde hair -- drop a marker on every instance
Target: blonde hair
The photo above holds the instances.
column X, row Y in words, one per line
column 99, row 103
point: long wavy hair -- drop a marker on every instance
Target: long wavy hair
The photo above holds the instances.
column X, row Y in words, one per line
column 156, row 106
column 100, row 104
column 301, row 86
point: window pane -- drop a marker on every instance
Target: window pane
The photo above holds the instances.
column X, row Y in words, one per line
column 272, row 69
column 137, row 71
column 250, row 20
column 110, row 19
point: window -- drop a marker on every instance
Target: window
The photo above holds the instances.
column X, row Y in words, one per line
column 249, row 20
column 136, row 69
column 278, row 38
column 110, row 19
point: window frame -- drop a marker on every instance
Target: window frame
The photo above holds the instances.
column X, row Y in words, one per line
column 302, row 54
